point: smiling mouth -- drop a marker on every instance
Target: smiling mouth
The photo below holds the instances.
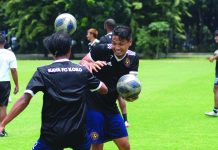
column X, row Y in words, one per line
column 118, row 51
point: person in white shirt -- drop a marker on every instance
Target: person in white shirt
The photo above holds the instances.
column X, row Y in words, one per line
column 92, row 35
column 8, row 63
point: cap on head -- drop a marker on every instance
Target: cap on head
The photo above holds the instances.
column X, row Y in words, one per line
column 2, row 38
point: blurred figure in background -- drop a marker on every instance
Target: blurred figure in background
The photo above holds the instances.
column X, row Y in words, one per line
column 214, row 112
column 92, row 35
column 8, row 63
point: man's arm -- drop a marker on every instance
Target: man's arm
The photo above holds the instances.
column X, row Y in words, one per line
column 15, row 78
column 212, row 58
column 122, row 105
column 18, row 107
column 92, row 65
column 103, row 89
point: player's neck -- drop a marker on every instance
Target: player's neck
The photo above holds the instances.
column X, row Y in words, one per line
column 67, row 56
column 92, row 39
column 108, row 30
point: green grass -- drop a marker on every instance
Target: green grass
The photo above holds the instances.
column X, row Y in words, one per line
column 169, row 114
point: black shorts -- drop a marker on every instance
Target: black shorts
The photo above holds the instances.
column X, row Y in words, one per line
column 5, row 89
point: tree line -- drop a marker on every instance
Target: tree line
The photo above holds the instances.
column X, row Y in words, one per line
column 159, row 26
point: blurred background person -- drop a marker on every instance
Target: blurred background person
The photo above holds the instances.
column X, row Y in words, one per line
column 92, row 35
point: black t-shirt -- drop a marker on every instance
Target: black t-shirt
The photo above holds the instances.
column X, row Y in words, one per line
column 109, row 75
column 64, row 85
column 106, row 39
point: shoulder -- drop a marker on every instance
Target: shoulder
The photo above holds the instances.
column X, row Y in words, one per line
column 9, row 53
column 133, row 56
column 102, row 39
column 131, row 53
column 106, row 38
column 102, row 47
column 101, row 52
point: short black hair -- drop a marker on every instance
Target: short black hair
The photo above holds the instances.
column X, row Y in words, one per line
column 110, row 23
column 216, row 33
column 124, row 32
column 58, row 43
column 2, row 38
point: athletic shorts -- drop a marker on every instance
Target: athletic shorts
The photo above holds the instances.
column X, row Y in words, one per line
column 5, row 89
column 41, row 145
column 105, row 127
column 216, row 80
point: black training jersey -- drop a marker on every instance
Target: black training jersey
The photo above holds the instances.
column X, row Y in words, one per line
column 110, row 74
column 64, row 85
column 106, row 39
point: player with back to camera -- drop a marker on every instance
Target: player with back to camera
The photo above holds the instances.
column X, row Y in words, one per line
column 109, row 26
column 109, row 62
column 8, row 63
column 214, row 112
column 64, row 85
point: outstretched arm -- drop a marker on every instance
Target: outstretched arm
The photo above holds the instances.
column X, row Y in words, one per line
column 92, row 65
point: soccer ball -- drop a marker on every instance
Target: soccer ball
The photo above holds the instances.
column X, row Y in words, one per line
column 65, row 22
column 129, row 87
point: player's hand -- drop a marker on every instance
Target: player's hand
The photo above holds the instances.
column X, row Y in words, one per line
column 126, row 124
column 97, row 65
column 132, row 99
column 211, row 59
column 16, row 89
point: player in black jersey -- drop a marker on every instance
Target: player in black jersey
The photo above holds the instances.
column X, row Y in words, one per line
column 64, row 85
column 109, row 26
column 109, row 62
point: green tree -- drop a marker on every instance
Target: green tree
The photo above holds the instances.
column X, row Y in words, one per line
column 31, row 21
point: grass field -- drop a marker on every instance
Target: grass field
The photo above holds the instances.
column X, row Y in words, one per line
column 169, row 115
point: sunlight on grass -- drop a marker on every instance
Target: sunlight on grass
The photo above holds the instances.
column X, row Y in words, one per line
column 169, row 114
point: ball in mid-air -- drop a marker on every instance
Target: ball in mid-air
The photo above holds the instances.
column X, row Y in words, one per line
column 129, row 87
column 65, row 22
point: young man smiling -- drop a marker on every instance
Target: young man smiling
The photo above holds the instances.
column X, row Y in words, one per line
column 109, row 62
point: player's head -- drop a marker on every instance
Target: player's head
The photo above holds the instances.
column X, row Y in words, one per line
column 2, row 39
column 92, row 34
column 109, row 24
column 121, row 40
column 59, row 43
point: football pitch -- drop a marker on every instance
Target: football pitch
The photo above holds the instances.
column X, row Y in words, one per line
column 169, row 114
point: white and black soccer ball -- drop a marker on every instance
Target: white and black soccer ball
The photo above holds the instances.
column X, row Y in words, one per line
column 65, row 22
column 129, row 86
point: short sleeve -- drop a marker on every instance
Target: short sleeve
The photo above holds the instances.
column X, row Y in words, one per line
column 35, row 84
column 135, row 64
column 94, row 84
column 13, row 61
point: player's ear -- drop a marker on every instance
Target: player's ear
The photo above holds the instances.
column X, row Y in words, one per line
column 130, row 42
